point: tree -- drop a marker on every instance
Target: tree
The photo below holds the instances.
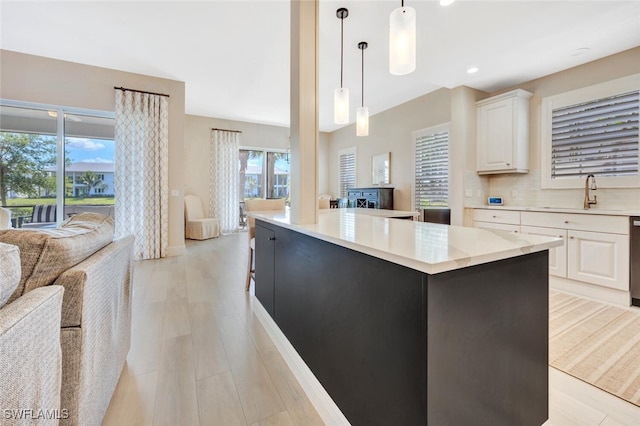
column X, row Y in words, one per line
column 91, row 180
column 243, row 156
column 272, row 158
column 24, row 159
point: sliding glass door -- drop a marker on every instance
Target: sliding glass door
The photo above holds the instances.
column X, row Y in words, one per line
column 89, row 165
column 264, row 173
column 54, row 162
column 277, row 174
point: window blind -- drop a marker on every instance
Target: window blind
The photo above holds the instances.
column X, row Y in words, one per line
column 598, row 137
column 432, row 170
column 347, row 172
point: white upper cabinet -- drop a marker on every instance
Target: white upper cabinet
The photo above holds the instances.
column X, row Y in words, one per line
column 503, row 133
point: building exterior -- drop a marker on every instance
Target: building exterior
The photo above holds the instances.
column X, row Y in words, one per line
column 76, row 171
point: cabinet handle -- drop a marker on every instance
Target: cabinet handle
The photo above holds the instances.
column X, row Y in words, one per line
column 494, row 216
column 571, row 237
column 566, row 221
column 560, row 236
column 272, row 238
column 508, row 164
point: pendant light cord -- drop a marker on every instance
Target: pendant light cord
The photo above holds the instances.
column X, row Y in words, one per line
column 341, row 48
column 362, row 45
column 362, row 101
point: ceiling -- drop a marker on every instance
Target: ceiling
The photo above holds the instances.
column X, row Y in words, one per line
column 234, row 55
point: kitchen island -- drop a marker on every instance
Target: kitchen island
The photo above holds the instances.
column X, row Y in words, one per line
column 408, row 323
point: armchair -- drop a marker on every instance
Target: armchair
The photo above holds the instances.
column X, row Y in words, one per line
column 198, row 227
column 43, row 216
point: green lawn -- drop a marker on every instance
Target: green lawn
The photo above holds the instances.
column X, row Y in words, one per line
column 12, row 202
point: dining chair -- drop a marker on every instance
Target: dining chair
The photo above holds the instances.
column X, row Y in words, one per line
column 324, row 203
column 258, row 205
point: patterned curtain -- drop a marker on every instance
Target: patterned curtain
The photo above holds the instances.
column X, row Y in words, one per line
column 141, row 174
column 224, row 202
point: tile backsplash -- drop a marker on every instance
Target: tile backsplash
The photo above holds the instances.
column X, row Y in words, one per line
column 524, row 190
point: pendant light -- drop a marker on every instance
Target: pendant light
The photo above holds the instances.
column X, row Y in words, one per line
column 341, row 95
column 402, row 40
column 362, row 113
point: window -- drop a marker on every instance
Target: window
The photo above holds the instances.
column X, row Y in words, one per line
column 277, row 175
column 47, row 154
column 431, row 165
column 347, row 173
column 264, row 173
column 592, row 131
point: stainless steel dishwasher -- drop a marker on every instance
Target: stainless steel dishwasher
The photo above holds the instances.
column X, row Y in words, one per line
column 634, row 259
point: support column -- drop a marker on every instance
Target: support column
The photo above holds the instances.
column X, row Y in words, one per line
column 462, row 154
column 304, row 111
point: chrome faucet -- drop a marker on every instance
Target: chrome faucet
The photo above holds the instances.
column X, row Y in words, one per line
column 587, row 200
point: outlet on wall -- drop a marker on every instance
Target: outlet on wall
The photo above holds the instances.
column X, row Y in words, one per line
column 514, row 193
column 468, row 193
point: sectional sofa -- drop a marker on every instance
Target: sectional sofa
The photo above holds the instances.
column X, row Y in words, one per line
column 95, row 271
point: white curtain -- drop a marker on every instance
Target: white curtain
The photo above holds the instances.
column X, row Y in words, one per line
column 141, row 174
column 224, row 202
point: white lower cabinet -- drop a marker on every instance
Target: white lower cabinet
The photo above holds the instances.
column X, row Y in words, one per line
column 599, row 258
column 596, row 249
column 557, row 255
column 502, row 220
column 595, row 257
column 499, row 226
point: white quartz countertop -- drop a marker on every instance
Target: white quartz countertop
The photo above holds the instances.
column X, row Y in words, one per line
column 592, row 210
column 427, row 247
column 377, row 212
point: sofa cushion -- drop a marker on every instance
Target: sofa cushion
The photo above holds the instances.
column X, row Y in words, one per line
column 9, row 271
column 46, row 253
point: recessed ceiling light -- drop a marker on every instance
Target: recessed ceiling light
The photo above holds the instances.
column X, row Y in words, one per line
column 580, row 51
column 446, row 2
column 473, row 70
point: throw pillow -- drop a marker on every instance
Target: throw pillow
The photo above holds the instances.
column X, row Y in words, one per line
column 47, row 253
column 9, row 271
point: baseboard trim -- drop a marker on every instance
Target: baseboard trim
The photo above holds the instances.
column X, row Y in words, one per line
column 596, row 292
column 327, row 409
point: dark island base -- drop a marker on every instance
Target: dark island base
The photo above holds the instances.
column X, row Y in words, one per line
column 392, row 345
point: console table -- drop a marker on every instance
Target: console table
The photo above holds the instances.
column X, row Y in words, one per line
column 370, row 198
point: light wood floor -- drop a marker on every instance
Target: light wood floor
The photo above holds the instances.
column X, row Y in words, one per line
column 199, row 356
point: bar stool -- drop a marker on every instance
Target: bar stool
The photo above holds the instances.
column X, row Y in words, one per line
column 258, row 205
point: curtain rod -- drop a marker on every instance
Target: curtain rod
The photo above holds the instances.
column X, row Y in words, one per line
column 139, row 91
column 227, row 130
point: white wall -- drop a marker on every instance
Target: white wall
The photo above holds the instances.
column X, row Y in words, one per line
column 197, row 137
column 528, row 186
column 50, row 81
column 390, row 131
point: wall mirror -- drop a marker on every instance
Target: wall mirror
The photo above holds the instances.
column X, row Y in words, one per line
column 380, row 169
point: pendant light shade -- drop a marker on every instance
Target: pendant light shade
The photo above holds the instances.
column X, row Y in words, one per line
column 362, row 121
column 362, row 113
column 341, row 106
column 402, row 40
column 341, row 95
